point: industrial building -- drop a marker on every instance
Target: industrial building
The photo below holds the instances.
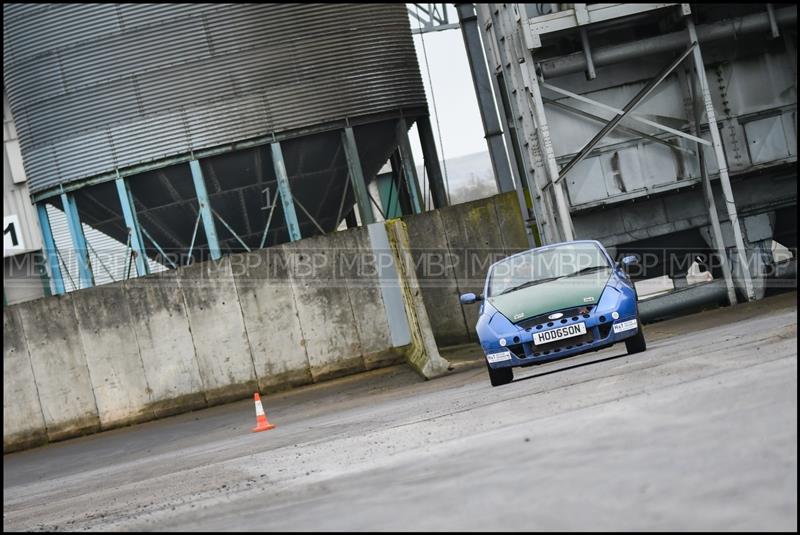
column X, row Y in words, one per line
column 184, row 132
column 650, row 127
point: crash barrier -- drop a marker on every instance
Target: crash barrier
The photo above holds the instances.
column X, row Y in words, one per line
column 214, row 332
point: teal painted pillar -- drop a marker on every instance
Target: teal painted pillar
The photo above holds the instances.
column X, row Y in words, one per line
column 50, row 250
column 132, row 222
column 286, row 192
column 431, row 156
column 409, row 169
column 78, row 240
column 357, row 177
column 205, row 210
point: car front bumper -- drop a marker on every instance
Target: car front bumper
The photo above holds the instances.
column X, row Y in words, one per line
column 600, row 334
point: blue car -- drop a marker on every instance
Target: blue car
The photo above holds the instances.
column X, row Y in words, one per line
column 554, row 302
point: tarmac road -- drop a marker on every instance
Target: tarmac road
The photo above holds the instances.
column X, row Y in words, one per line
column 699, row 432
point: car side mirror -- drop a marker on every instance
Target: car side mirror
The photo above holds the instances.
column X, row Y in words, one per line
column 470, row 298
column 629, row 261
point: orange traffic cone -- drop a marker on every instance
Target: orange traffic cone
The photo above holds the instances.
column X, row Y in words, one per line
column 261, row 418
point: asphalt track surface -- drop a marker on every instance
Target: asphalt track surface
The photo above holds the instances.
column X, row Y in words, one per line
column 698, row 432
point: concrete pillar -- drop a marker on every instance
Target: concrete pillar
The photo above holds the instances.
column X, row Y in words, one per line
column 78, row 240
column 49, row 249
column 437, row 185
column 205, row 210
column 132, row 222
column 482, row 84
column 357, row 177
column 422, row 353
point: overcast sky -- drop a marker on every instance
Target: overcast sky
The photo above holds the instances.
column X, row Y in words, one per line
column 457, row 107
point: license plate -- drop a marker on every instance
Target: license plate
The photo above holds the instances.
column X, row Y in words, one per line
column 559, row 333
column 499, row 356
column 625, row 325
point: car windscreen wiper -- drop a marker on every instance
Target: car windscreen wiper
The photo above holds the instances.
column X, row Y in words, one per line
column 584, row 270
column 526, row 284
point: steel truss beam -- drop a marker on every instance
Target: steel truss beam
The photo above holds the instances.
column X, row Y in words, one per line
column 78, row 240
column 132, row 223
column 433, row 18
column 286, row 192
column 50, row 250
column 356, row 174
column 638, row 98
column 630, row 115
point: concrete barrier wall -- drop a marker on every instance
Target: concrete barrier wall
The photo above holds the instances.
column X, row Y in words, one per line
column 269, row 308
column 209, row 333
column 453, row 248
column 218, row 332
column 23, row 422
column 112, row 355
column 59, row 367
column 161, row 326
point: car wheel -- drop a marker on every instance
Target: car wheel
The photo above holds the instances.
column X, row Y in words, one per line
column 500, row 376
column 636, row 344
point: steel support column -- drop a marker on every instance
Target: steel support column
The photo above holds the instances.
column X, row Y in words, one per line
column 708, row 192
column 519, row 121
column 409, row 169
column 545, row 146
column 719, row 154
column 286, row 193
column 205, row 210
column 431, row 157
column 483, row 92
column 519, row 170
column 132, row 222
column 78, row 240
column 357, row 176
column 49, row 247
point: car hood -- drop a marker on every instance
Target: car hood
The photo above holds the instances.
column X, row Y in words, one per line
column 569, row 292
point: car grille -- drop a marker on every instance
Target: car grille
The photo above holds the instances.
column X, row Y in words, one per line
column 574, row 314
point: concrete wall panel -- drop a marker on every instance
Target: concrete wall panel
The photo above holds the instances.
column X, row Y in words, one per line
column 59, row 366
column 23, row 423
column 112, row 355
column 474, row 236
column 355, row 263
column 270, row 314
column 220, row 340
column 323, row 306
column 165, row 342
column 509, row 220
column 435, row 273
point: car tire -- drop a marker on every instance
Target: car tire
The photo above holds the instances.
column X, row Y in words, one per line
column 636, row 343
column 500, row 376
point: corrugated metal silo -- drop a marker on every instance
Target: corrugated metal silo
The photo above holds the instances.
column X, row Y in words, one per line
column 137, row 90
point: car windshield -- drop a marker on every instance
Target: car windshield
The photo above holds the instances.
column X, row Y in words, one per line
column 543, row 265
